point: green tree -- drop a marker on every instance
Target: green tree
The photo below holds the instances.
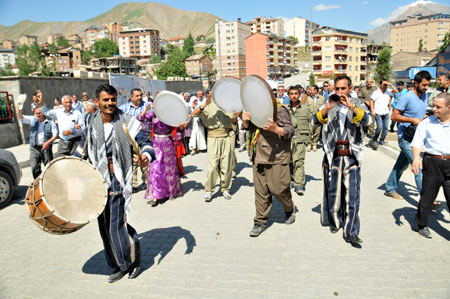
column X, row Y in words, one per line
column 6, row 71
column 312, row 81
column 383, row 69
column 420, row 46
column 293, row 38
column 174, row 66
column 28, row 59
column 105, row 48
column 210, row 40
column 155, row 59
column 62, row 42
column 86, row 56
column 188, row 47
column 446, row 42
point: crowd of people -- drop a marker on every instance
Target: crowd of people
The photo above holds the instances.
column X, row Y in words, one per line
column 335, row 117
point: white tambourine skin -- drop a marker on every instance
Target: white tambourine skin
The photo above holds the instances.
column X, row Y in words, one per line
column 170, row 108
column 226, row 94
column 257, row 100
column 21, row 100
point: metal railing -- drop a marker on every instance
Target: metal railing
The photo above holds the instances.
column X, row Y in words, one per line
column 6, row 112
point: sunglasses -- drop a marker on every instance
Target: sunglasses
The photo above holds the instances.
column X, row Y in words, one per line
column 340, row 88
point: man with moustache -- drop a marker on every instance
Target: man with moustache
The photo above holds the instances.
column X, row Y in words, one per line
column 315, row 101
column 364, row 95
column 342, row 118
column 300, row 115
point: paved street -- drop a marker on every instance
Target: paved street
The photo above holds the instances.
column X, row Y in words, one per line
column 193, row 249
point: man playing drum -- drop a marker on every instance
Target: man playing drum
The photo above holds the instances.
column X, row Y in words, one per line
column 109, row 150
column 270, row 153
column 220, row 155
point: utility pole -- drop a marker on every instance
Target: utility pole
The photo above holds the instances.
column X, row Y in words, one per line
column 218, row 48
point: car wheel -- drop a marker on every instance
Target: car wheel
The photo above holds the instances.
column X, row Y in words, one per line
column 6, row 189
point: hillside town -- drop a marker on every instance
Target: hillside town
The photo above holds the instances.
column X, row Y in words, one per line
column 157, row 152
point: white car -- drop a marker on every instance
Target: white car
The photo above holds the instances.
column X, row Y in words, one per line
column 10, row 175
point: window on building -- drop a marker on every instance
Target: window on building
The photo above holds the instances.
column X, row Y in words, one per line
column 356, row 68
column 327, row 38
column 328, row 48
column 356, row 78
column 351, row 39
column 328, row 67
column 350, row 58
column 349, row 67
column 327, row 58
column 356, row 50
column 350, row 49
column 356, row 58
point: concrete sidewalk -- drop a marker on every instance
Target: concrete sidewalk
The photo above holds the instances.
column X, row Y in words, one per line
column 193, row 249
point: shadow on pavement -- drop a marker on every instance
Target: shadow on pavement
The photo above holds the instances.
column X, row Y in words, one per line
column 433, row 221
column 241, row 165
column 239, row 182
column 191, row 169
column 191, row 185
column 155, row 242
column 309, row 178
column 277, row 214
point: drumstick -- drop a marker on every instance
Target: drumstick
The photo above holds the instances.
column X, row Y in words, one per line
column 133, row 142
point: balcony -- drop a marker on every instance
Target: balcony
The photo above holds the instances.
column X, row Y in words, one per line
column 340, row 41
column 317, row 50
column 340, row 50
column 340, row 70
column 318, row 61
column 280, row 49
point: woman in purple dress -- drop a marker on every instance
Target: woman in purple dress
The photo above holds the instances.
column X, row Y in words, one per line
column 162, row 176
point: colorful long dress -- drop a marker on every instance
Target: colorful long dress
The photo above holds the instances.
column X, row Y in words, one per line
column 179, row 149
column 162, row 176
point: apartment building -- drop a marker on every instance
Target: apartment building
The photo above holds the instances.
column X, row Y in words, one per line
column 114, row 29
column 269, row 25
column 140, row 43
column 28, row 40
column 404, row 60
column 338, row 52
column 176, row 41
column 9, row 44
column 199, row 65
column 299, row 28
column 54, row 38
column 230, row 48
column 269, row 56
column 64, row 62
column 406, row 34
column 7, row 57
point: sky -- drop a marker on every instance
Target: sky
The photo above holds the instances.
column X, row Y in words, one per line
column 356, row 15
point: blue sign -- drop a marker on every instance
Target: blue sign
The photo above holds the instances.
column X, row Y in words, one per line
column 414, row 70
column 443, row 63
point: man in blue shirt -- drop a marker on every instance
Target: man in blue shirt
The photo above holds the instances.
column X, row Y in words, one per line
column 284, row 99
column 401, row 91
column 409, row 112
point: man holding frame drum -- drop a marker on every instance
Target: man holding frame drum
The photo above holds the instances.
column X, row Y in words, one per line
column 108, row 145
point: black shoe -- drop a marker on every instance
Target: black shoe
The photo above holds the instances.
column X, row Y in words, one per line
column 333, row 229
column 142, row 187
column 135, row 268
column 299, row 190
column 154, row 203
column 117, row 275
column 353, row 240
column 424, row 232
column 135, row 189
column 257, row 229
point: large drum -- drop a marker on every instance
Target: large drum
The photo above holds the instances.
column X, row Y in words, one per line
column 258, row 99
column 68, row 194
column 170, row 108
column 226, row 94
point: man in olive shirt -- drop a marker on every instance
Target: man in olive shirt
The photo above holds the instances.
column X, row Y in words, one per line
column 315, row 101
column 300, row 116
column 220, row 149
column 365, row 95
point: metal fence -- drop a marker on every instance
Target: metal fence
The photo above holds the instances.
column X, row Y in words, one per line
column 6, row 111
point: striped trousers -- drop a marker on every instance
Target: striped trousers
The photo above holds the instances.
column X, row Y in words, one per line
column 341, row 194
column 119, row 238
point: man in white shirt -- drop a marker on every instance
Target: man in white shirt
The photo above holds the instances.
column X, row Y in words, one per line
column 70, row 124
column 42, row 134
column 380, row 105
column 433, row 136
column 77, row 105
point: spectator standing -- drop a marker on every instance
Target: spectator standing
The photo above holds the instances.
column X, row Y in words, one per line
column 380, row 105
column 401, row 91
column 77, row 105
column 444, row 84
column 42, row 134
column 364, row 95
column 315, row 101
column 70, row 124
column 409, row 112
column 135, row 107
column 281, row 95
column 433, row 135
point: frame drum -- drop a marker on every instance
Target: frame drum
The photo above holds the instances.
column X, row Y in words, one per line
column 170, row 108
column 68, row 194
column 258, row 99
column 226, row 94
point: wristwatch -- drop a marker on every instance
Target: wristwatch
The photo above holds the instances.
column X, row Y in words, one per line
column 200, row 107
